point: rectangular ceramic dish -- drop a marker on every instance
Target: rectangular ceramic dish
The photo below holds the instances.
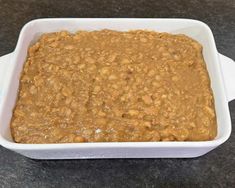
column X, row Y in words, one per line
column 221, row 71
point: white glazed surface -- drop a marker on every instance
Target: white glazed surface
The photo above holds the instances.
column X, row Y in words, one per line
column 12, row 64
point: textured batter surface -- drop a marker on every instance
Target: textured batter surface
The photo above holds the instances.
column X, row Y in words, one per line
column 109, row 86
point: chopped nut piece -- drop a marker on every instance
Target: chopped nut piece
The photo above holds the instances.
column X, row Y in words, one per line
column 66, row 91
column 147, row 124
column 79, row 139
column 151, row 73
column 147, row 99
column 133, row 112
column 90, row 60
column 125, row 61
column 33, row 90
column 69, row 47
column 112, row 77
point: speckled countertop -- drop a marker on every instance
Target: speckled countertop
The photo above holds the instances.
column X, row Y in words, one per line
column 216, row 169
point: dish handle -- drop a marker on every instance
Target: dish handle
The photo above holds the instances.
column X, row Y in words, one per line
column 228, row 70
column 4, row 65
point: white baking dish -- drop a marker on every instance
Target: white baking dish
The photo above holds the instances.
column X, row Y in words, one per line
column 221, row 71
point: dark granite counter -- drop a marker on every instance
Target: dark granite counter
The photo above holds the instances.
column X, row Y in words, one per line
column 216, row 169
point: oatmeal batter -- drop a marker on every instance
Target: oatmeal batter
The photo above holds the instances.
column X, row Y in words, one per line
column 110, row 86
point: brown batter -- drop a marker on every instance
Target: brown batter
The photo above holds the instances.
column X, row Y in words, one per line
column 110, row 86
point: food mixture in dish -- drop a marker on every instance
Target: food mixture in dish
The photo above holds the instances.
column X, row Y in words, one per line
column 110, row 86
